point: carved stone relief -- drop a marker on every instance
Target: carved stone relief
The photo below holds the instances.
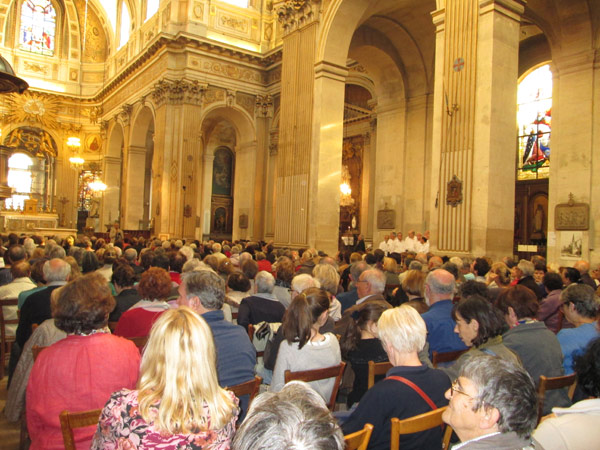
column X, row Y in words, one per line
column 294, row 14
column 246, row 101
column 178, row 91
column 214, row 95
column 264, row 106
column 32, row 108
column 231, row 71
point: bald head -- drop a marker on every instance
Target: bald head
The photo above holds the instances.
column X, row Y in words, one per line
column 582, row 266
column 439, row 285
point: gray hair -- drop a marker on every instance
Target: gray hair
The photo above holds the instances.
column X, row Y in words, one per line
column 357, row 268
column 130, row 254
column 294, row 418
column 56, row 269
column 437, row 286
column 56, row 251
column 216, row 247
column 187, row 251
column 304, row 281
column 207, row 286
column 328, row 277
column 526, row 267
column 376, row 279
column 29, row 246
column 415, row 265
column 265, row 282
column 503, row 385
column 583, row 298
column 192, row 264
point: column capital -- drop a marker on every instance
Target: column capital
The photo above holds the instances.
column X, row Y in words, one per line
column 178, row 92
column 513, row 9
column 264, row 106
column 295, row 14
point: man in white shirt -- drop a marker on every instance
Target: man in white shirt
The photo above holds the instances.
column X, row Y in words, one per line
column 384, row 245
column 410, row 243
column 398, row 243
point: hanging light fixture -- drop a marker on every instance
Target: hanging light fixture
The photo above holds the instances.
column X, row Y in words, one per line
column 74, row 145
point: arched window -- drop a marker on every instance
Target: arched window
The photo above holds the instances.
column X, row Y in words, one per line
column 20, row 179
column 534, row 115
column 125, row 25
column 38, row 27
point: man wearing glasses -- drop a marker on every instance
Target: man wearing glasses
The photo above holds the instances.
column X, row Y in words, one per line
column 493, row 405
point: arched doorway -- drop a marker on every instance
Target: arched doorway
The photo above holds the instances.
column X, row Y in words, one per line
column 221, row 203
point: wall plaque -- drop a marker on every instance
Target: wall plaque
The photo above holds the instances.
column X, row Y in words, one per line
column 386, row 219
column 244, row 221
column 454, row 195
column 571, row 215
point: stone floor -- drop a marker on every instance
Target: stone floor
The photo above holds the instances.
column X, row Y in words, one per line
column 9, row 432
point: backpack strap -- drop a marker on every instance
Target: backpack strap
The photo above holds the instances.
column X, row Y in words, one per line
column 418, row 390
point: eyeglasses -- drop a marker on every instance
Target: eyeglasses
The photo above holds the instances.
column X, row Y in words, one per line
column 454, row 387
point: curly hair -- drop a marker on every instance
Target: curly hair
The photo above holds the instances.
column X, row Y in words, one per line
column 155, row 284
column 83, row 305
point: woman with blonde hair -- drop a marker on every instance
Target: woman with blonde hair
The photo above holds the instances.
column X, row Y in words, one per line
column 329, row 278
column 413, row 286
column 178, row 402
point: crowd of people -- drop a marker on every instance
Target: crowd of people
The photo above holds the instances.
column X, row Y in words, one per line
column 87, row 300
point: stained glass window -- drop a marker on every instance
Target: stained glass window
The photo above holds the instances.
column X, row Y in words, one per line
column 38, row 27
column 534, row 115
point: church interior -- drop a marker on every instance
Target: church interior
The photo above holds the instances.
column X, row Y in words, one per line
column 307, row 122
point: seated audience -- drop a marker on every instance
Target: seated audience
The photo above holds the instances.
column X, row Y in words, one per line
column 154, row 289
column 413, row 286
column 178, row 402
column 580, row 306
column 576, row 428
column 329, row 278
column 360, row 344
column 283, row 282
column 294, row 418
column 524, row 276
column 402, row 332
column 305, row 348
column 21, row 282
column 479, row 325
column 549, row 311
column 535, row 344
column 349, row 298
column 238, row 288
column 123, row 279
column 493, row 405
column 80, row 372
column 439, row 291
column 263, row 306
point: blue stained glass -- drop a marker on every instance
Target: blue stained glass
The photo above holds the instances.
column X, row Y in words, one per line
column 38, row 27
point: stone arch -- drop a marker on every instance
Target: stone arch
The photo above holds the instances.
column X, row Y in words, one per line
column 232, row 128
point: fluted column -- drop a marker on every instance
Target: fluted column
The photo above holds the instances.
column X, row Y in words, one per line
column 245, row 177
column 134, row 195
column 111, row 173
column 264, row 117
column 474, row 133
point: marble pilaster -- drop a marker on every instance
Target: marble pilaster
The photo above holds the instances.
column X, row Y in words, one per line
column 133, row 196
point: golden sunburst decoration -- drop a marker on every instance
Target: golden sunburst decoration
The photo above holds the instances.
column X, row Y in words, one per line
column 32, row 108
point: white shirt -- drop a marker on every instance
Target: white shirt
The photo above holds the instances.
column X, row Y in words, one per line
column 410, row 244
column 398, row 246
column 384, row 246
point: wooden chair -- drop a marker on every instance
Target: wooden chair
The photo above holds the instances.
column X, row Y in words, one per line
column 6, row 341
column 359, row 440
column 139, row 341
column 446, row 356
column 419, row 423
column 72, row 420
column 320, row 374
column 248, row 388
column 36, row 350
column 375, row 369
column 551, row 383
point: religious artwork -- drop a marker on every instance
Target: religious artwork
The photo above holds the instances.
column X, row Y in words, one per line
column 38, row 27
column 244, row 221
column 222, row 172
column 386, row 218
column 571, row 244
column 220, row 220
column 454, row 195
column 571, row 215
column 32, row 107
column 351, row 181
column 534, row 119
column 35, row 141
column 538, row 217
column 93, row 143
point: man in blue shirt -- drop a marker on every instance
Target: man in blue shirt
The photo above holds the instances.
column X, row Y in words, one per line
column 204, row 292
column 439, row 290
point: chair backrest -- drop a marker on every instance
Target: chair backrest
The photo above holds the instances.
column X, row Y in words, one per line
column 551, row 383
column 248, row 388
column 71, row 420
column 446, row 357
column 5, row 342
column 139, row 341
column 320, row 374
column 36, row 350
column 359, row 440
column 415, row 424
column 375, row 369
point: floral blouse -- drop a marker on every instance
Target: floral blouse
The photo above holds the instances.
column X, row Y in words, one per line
column 121, row 427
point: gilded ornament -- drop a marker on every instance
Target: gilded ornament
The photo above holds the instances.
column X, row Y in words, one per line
column 32, row 108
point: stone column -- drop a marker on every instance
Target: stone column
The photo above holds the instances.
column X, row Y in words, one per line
column 477, row 45
column 264, row 116
column 177, row 153
column 134, row 195
column 111, row 171
column 574, row 110
column 311, row 131
column 206, row 197
column 124, row 117
column 246, row 158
